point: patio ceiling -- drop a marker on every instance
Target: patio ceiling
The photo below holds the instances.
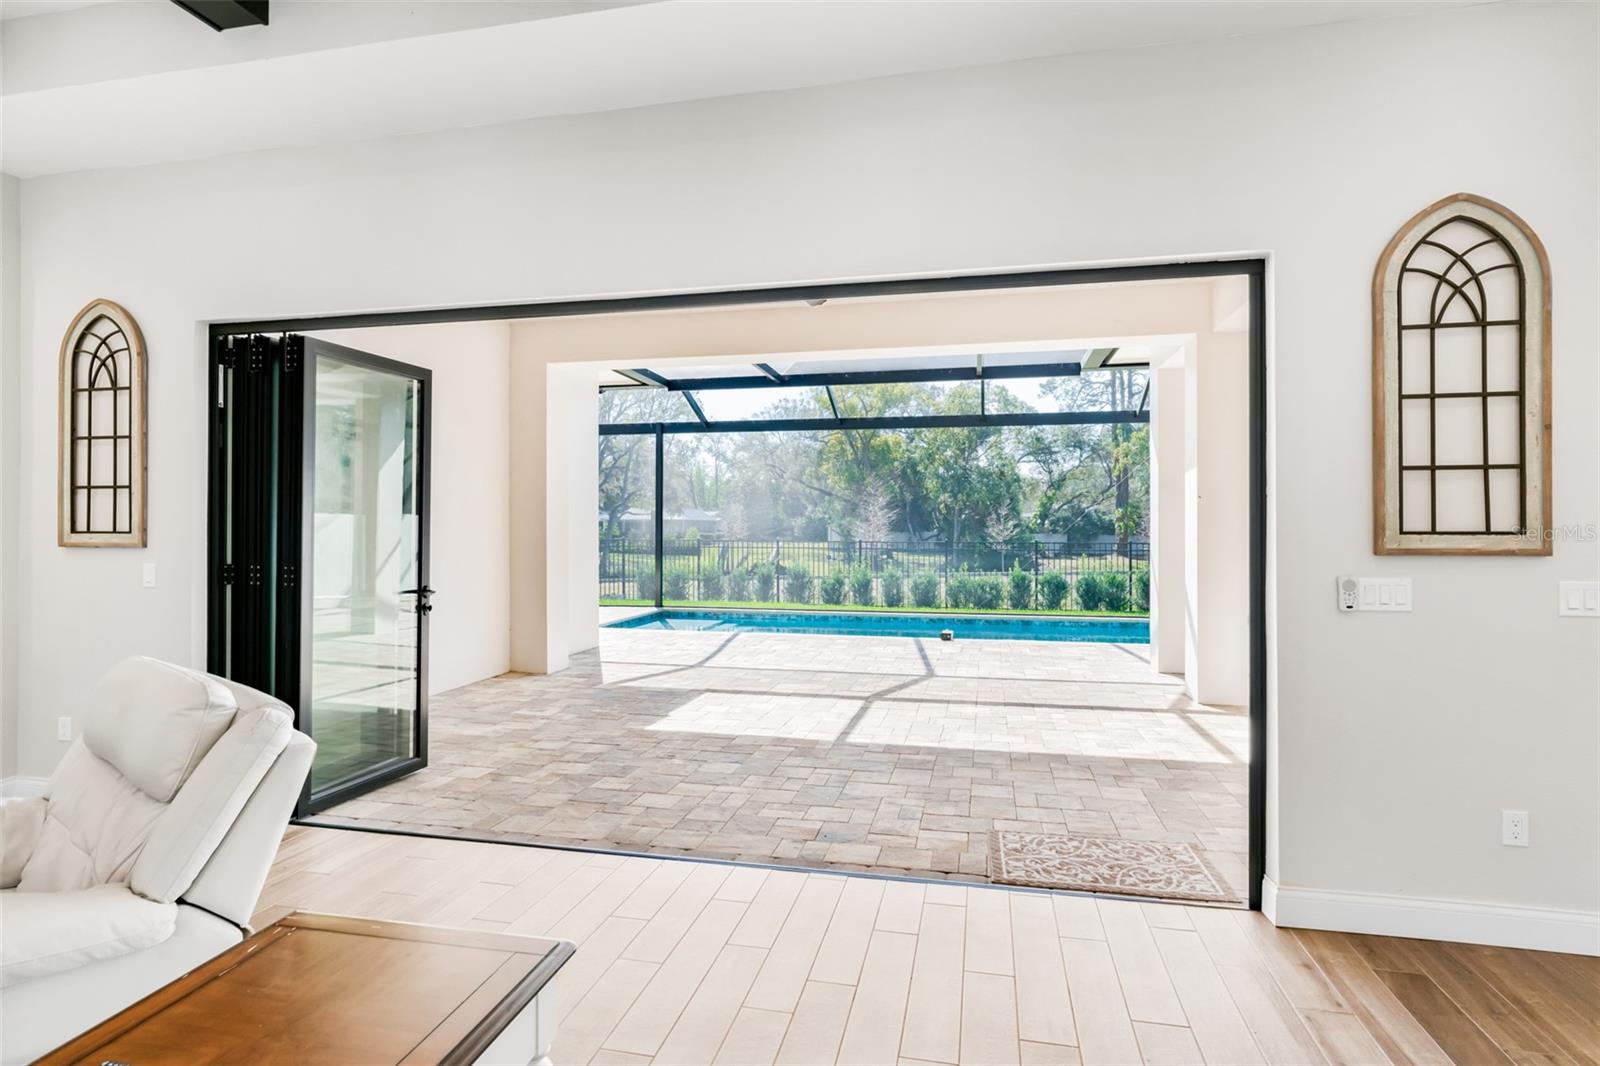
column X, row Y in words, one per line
column 801, row 373
column 819, row 378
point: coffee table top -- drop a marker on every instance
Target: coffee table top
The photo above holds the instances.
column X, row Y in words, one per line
column 317, row 988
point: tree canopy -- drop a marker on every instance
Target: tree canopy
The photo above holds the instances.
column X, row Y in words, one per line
column 985, row 483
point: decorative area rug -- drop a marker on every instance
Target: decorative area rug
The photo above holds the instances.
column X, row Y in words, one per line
column 1104, row 864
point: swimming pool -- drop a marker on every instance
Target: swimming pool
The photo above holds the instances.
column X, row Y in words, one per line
column 964, row 626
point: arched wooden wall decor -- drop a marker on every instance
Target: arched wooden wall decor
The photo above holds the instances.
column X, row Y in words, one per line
column 1461, row 385
column 102, row 430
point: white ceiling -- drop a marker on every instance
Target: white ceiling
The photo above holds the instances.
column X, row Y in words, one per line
column 140, row 81
column 16, row 9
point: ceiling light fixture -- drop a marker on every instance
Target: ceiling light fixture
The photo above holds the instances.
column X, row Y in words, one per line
column 227, row 14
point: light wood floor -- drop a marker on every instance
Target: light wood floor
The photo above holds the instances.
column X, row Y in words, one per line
column 687, row 963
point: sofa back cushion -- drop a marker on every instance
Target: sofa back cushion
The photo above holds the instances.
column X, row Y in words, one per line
column 154, row 722
column 95, row 825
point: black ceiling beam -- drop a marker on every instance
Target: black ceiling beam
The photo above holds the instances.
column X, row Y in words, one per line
column 771, row 373
column 863, row 377
column 694, row 405
column 227, row 14
column 813, row 425
column 652, row 377
column 833, row 403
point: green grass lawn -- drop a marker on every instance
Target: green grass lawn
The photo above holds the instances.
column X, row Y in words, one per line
column 851, row 608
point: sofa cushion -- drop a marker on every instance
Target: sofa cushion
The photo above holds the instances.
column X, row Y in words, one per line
column 154, row 722
column 96, row 822
column 48, row 932
column 21, row 820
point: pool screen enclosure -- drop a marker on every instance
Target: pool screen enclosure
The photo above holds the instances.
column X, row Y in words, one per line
column 764, row 376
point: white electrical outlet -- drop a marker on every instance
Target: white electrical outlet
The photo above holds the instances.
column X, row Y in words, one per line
column 149, row 575
column 1374, row 593
column 1514, row 829
column 63, row 729
column 1579, row 599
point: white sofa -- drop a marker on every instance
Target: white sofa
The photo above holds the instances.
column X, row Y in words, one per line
column 147, row 852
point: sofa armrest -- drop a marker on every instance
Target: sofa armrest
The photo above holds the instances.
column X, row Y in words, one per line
column 21, row 821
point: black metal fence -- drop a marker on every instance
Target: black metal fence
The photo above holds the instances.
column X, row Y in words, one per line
column 1026, row 575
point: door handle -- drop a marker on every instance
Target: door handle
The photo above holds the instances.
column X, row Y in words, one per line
column 424, row 597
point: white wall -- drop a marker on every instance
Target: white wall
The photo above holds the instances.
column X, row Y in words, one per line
column 1216, row 521
column 1169, row 598
column 555, row 560
column 1397, row 739
column 10, row 470
column 469, row 558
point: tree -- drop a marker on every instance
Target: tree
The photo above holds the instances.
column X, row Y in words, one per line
column 626, row 461
column 987, row 483
column 875, row 512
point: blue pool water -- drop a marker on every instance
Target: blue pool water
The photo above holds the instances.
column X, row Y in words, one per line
column 964, row 626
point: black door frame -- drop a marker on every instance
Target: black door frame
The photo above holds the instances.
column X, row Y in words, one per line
column 1252, row 268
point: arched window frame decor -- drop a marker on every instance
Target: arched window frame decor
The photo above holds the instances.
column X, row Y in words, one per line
column 1509, row 245
column 102, row 395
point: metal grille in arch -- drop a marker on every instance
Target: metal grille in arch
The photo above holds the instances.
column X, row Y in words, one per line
column 102, row 431
column 1461, row 382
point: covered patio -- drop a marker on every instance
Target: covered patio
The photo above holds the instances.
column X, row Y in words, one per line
column 893, row 755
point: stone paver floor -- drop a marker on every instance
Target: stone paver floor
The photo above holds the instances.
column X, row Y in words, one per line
column 882, row 753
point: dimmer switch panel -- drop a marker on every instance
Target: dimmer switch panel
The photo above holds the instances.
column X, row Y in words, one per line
column 1374, row 594
column 1579, row 599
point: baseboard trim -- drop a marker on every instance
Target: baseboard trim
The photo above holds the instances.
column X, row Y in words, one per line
column 22, row 786
column 1495, row 924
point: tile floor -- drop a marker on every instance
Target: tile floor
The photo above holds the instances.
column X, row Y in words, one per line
column 882, row 753
column 689, row 963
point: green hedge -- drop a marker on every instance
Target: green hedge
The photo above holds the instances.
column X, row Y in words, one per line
column 797, row 584
column 861, row 586
column 1054, row 587
column 894, row 588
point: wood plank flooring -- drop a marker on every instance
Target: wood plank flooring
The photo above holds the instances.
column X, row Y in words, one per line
column 691, row 963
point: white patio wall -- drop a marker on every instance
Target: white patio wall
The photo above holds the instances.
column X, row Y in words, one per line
column 470, row 541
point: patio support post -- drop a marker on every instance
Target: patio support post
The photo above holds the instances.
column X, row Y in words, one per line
column 660, row 516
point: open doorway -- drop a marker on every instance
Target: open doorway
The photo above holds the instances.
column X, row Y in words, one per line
column 500, row 743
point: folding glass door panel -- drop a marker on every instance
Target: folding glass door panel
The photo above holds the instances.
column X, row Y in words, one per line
column 318, row 588
column 363, row 679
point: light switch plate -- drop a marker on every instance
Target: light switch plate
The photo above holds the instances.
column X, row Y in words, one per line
column 1374, row 593
column 1579, row 599
column 149, row 575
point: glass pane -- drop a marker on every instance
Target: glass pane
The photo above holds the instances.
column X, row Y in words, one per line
column 364, row 617
column 626, row 521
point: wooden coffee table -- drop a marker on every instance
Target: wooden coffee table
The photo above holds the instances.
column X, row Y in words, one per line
column 315, row 988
